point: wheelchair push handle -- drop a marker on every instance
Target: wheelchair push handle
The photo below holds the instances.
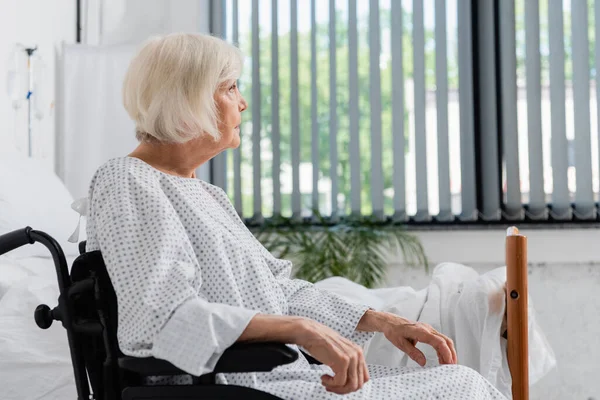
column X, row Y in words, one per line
column 15, row 239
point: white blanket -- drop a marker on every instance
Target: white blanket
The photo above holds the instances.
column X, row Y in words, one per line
column 34, row 363
column 465, row 306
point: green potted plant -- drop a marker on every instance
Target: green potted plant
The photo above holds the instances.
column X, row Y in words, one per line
column 355, row 248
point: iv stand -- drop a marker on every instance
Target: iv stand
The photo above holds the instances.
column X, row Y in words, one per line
column 29, row 52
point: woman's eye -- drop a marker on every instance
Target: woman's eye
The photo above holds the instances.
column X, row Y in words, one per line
column 232, row 88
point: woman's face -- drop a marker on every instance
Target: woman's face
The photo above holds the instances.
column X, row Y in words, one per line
column 230, row 105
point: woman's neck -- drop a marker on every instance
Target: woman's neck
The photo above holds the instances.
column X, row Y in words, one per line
column 172, row 158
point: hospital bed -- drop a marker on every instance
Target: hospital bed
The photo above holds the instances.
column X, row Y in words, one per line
column 87, row 310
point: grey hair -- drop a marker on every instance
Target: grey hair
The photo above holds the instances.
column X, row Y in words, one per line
column 170, row 84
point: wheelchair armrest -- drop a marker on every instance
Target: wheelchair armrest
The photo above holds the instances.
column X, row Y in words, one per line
column 311, row 359
column 255, row 357
column 148, row 366
column 241, row 357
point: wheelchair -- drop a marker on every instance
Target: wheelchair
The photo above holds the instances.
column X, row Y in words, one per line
column 87, row 309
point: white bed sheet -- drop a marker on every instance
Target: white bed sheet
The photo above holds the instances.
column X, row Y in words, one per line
column 34, row 363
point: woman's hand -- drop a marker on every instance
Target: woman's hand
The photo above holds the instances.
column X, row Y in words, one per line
column 345, row 358
column 405, row 334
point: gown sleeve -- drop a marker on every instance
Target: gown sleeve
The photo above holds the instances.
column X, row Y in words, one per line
column 156, row 277
column 306, row 300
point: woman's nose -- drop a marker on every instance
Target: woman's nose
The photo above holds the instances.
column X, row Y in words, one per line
column 243, row 104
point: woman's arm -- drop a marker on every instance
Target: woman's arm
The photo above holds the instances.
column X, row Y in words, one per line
column 373, row 321
column 273, row 328
column 343, row 356
column 306, row 300
column 357, row 322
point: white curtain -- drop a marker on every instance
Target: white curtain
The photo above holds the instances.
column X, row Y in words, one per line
column 94, row 124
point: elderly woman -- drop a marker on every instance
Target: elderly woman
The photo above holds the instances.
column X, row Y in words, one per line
column 191, row 279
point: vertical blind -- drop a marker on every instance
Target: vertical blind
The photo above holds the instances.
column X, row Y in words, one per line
column 397, row 109
column 550, row 137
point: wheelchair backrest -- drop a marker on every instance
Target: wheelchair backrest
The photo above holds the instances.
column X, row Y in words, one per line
column 96, row 307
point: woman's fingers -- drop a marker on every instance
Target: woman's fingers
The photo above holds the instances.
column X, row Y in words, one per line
column 438, row 342
column 352, row 366
column 405, row 334
column 450, row 345
column 360, row 368
column 363, row 371
column 410, row 334
column 352, row 382
column 340, row 368
column 344, row 357
column 452, row 348
column 415, row 354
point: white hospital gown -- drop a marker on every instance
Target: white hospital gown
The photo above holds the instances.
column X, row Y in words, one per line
column 189, row 276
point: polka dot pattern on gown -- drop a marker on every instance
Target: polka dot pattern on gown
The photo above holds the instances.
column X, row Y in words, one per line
column 189, row 276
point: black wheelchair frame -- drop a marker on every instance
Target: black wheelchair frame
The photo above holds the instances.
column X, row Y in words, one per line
column 87, row 309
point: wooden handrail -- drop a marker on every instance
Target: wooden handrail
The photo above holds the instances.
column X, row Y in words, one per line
column 516, row 285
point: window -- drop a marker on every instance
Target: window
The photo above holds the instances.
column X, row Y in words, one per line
column 556, row 109
column 396, row 109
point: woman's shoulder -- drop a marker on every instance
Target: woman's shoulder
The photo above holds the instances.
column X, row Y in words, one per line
column 124, row 171
column 221, row 197
column 216, row 193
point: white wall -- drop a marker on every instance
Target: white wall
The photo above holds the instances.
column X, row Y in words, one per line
column 45, row 23
column 134, row 21
column 564, row 284
column 50, row 23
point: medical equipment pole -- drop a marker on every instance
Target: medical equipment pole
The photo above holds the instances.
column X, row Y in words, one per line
column 30, row 52
column 516, row 289
column 78, row 21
